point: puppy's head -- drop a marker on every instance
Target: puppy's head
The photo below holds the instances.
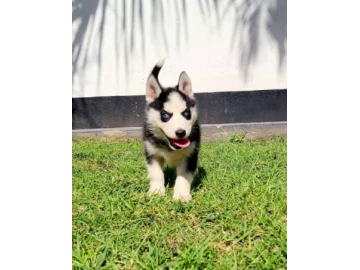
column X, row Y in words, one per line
column 171, row 111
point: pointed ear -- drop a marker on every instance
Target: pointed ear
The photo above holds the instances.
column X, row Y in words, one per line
column 185, row 85
column 153, row 89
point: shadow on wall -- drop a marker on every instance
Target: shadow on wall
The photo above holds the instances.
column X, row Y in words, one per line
column 245, row 38
column 248, row 14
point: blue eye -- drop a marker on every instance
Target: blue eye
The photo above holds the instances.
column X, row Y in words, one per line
column 187, row 114
column 165, row 116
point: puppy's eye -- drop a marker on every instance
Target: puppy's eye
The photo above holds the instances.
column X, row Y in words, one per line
column 165, row 116
column 187, row 114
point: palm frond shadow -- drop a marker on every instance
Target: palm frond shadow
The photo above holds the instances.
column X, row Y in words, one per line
column 246, row 39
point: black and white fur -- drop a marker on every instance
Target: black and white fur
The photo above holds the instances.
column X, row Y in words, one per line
column 171, row 113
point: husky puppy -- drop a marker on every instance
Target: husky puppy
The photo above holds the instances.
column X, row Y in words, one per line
column 171, row 133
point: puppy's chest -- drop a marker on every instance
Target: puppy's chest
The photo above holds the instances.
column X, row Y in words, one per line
column 174, row 158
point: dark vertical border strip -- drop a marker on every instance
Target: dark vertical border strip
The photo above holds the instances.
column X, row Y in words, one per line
column 214, row 108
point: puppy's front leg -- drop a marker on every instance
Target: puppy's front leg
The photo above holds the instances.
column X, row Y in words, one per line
column 185, row 175
column 156, row 175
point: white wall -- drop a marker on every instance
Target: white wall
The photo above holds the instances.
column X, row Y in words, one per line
column 217, row 58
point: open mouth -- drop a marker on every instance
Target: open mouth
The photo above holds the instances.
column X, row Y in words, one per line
column 179, row 143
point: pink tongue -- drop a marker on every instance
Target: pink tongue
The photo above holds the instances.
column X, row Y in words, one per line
column 182, row 142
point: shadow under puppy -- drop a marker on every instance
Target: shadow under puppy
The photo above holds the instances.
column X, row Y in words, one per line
column 171, row 133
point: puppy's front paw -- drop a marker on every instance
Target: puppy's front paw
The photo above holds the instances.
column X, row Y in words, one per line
column 156, row 190
column 184, row 197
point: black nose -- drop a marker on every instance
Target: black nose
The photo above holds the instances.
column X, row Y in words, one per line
column 180, row 133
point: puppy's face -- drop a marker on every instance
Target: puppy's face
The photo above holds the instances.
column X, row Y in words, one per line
column 172, row 111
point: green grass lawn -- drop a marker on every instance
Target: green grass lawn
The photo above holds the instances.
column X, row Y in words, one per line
column 236, row 220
